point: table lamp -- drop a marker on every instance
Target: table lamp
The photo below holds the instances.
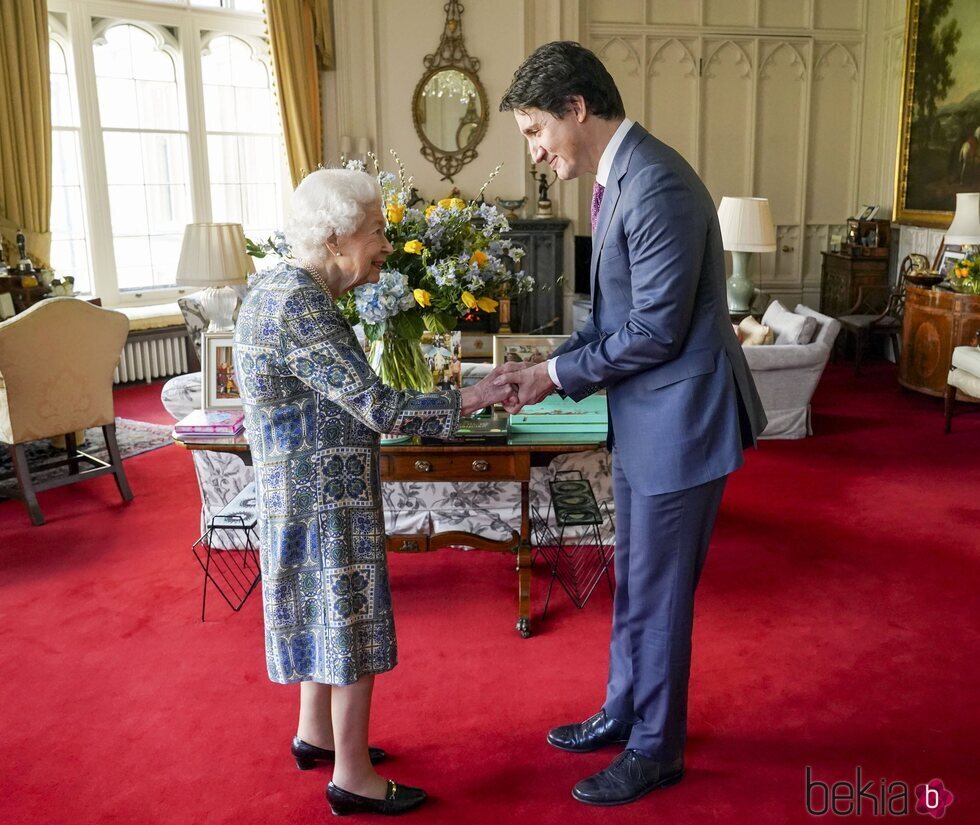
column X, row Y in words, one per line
column 213, row 256
column 965, row 228
column 746, row 227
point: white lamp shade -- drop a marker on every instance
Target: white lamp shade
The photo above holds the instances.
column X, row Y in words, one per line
column 965, row 228
column 213, row 254
column 746, row 225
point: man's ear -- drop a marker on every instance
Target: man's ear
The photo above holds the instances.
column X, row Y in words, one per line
column 578, row 108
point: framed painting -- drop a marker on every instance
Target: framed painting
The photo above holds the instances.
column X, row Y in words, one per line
column 529, row 349
column 220, row 387
column 939, row 138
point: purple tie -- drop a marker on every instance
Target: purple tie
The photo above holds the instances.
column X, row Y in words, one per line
column 597, row 190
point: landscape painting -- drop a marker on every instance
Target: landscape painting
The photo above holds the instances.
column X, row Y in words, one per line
column 939, row 151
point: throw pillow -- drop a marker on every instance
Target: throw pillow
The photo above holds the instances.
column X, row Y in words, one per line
column 789, row 327
column 753, row 334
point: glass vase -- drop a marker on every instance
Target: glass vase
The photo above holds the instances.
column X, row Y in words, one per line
column 399, row 362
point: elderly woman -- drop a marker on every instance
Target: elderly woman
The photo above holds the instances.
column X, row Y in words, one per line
column 313, row 412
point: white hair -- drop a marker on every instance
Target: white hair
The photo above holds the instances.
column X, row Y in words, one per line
column 328, row 202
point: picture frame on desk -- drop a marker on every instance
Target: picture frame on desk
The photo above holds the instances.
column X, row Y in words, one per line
column 950, row 255
column 441, row 351
column 219, row 384
column 527, row 349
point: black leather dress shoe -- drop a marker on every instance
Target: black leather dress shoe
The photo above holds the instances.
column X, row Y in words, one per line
column 594, row 733
column 629, row 776
column 398, row 799
column 307, row 755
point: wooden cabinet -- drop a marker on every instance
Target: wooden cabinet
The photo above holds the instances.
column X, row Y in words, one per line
column 543, row 241
column 935, row 322
column 842, row 278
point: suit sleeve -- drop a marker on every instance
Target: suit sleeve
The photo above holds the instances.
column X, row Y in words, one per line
column 319, row 352
column 666, row 231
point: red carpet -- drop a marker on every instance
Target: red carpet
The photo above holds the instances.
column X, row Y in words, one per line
column 837, row 627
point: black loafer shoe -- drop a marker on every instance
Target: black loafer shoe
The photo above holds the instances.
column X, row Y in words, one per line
column 398, row 799
column 594, row 733
column 629, row 776
column 307, row 755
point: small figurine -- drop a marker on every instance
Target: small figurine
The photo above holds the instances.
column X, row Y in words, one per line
column 544, row 202
column 24, row 264
column 414, row 197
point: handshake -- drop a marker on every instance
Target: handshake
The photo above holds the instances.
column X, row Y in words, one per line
column 510, row 384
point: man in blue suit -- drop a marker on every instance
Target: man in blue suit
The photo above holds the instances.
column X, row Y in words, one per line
column 682, row 404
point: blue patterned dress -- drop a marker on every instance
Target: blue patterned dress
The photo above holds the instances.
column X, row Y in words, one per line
column 313, row 412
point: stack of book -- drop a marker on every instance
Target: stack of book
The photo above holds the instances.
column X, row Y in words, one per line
column 205, row 424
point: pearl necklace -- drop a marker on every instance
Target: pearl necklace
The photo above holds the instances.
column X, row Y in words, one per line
column 317, row 276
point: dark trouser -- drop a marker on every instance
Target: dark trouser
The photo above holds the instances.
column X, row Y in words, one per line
column 661, row 544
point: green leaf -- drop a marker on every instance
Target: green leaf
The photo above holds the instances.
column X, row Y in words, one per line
column 407, row 324
column 373, row 332
column 439, row 322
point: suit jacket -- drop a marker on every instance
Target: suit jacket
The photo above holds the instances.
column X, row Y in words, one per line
column 682, row 403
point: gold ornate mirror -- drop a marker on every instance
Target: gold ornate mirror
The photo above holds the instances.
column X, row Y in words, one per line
column 449, row 107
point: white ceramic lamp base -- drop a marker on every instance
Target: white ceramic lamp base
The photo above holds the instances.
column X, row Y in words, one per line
column 218, row 303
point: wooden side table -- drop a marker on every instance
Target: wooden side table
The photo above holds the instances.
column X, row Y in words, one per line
column 452, row 461
column 935, row 322
column 842, row 278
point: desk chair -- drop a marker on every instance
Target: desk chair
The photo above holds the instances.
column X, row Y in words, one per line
column 878, row 312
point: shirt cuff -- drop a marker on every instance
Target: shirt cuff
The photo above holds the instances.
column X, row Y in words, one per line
column 553, row 372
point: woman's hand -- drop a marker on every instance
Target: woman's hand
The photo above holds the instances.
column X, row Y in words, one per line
column 487, row 392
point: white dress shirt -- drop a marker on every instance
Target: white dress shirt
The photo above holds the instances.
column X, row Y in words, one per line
column 601, row 177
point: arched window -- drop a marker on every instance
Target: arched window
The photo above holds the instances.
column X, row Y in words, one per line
column 144, row 133
column 69, row 248
column 244, row 135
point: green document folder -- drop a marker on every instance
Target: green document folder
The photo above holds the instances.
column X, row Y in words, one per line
column 557, row 414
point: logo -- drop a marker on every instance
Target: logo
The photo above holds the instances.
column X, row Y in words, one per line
column 932, row 799
column 877, row 798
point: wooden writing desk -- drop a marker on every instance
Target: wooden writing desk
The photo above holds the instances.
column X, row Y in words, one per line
column 413, row 461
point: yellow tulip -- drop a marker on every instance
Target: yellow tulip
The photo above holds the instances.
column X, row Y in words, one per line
column 395, row 213
column 487, row 304
column 413, row 247
column 452, row 203
column 429, row 210
column 469, row 300
column 479, row 258
column 422, row 298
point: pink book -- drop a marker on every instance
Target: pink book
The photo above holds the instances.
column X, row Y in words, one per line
column 214, row 422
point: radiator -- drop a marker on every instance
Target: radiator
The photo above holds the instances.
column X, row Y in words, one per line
column 149, row 358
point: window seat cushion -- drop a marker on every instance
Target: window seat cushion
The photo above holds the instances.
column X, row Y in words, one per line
column 153, row 316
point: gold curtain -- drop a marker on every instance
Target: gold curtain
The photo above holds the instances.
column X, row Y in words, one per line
column 301, row 36
column 25, row 127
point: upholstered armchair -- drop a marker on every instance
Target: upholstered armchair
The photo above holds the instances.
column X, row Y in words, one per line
column 56, row 365
column 786, row 376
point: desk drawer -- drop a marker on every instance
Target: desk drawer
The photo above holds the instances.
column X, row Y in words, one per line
column 470, row 465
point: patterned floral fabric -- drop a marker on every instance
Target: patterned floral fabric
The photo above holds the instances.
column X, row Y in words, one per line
column 313, row 412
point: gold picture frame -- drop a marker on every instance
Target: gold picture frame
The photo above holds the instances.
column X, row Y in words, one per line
column 525, row 348
column 938, row 149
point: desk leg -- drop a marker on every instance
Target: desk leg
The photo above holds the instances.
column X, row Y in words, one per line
column 524, row 564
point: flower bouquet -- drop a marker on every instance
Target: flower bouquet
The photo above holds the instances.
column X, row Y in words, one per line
column 449, row 258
